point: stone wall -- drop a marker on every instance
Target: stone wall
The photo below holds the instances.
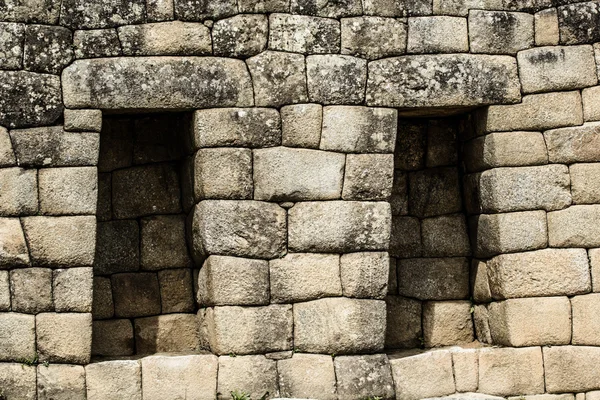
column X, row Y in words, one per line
column 340, row 199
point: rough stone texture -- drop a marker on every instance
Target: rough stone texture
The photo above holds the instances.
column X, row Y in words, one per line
column 359, row 35
column 163, row 243
column 4, row 291
column 462, row 7
column 365, row 275
column 113, row 338
column 571, row 368
column 7, row 156
column 340, row 326
column 585, row 183
column 549, row 272
column 31, row 290
column 577, row 226
column 303, row 34
column 525, row 188
column 447, row 323
column 306, row 376
column 267, row 329
column 368, row 177
column 301, row 125
column 152, row 83
column 118, row 380
column 557, row 68
column 17, row 337
column 159, row 10
column 72, row 290
column 434, row 191
column 576, row 144
column 176, row 290
column 500, row 32
column 336, row 79
column 226, row 281
column 411, row 145
column 117, row 248
column 64, row 338
column 173, row 333
column 66, row 191
column 19, row 192
column 399, row 198
column 480, row 320
column 352, row 129
column 102, row 304
column 393, row 8
column 13, row 249
column 338, row 9
column 364, row 376
column 531, row 322
column 257, row 375
column 223, row 173
column 418, row 376
column 403, row 323
column 465, row 363
column 434, row 278
column 535, row 112
column 199, row 10
column 165, row 38
column 217, row 224
column 83, row 120
column 439, row 34
column 136, row 294
column 546, row 28
column 76, row 14
column 61, row 382
column 264, row 6
column 18, row 381
column 586, row 323
column 11, row 45
column 235, row 127
column 461, row 80
column 96, row 43
column 284, row 174
column 480, row 287
column 578, row 23
column 61, row 241
column 47, row 49
column 494, row 234
column 445, row 236
column 240, row 36
column 591, row 107
column 506, row 372
column 442, row 146
column 594, row 256
column 339, row 227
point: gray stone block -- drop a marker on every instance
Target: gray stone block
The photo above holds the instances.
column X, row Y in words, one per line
column 404, row 329
column 445, row 236
column 368, row 177
column 67, row 191
column 405, row 240
column 83, row 120
column 434, row 278
column 364, row 376
column 434, row 191
column 411, row 145
column 439, row 34
column 365, row 275
column 77, row 14
column 223, row 173
column 257, row 375
column 117, row 248
column 264, row 6
column 307, row 376
column 240, row 36
column 47, row 49
column 96, row 43
column 102, row 305
column 61, row 382
column 303, row 34
column 64, row 338
column 136, row 294
column 577, row 23
column 373, row 37
column 165, row 38
column 18, row 337
column 301, row 125
column 159, row 10
column 343, row 8
column 163, row 243
column 176, row 290
column 113, row 338
column 336, row 79
column 13, row 249
column 31, row 290
column 72, row 289
column 7, row 155
column 500, row 32
column 4, row 291
column 393, row 8
column 118, row 380
column 199, row 10
column 11, row 45
column 19, row 192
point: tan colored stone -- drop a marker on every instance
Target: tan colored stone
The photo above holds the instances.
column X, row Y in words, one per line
column 4, row 291
column 548, row 397
column 591, row 105
column 31, row 290
column 240, row 36
column 336, row 79
column 19, row 192
column 546, row 28
column 445, row 236
column 404, row 328
column 368, row 177
column 17, row 337
column 176, row 290
column 18, row 381
column 586, row 321
column 576, row 226
column 481, row 322
column 7, row 156
column 257, row 375
column 83, row 120
column 594, row 257
column 506, row 372
column 465, row 364
column 13, row 249
column 571, row 369
column 575, row 144
column 434, row 278
column 365, row 275
column 549, row 272
column 113, row 338
column 64, row 337
column 171, row 333
column 61, row 382
column 500, row 32
column 102, row 304
column 447, row 323
column 223, row 173
column 301, row 125
column 307, row 376
column 480, row 287
column 73, row 290
column 439, row 34
column 364, row 376
column 118, row 380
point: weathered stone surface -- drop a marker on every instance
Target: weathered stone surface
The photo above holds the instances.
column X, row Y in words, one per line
column 364, row 376
column 576, row 144
column 61, row 241
column 7, row 156
column 176, row 290
column 119, row 380
column 235, row 127
column 263, row 6
column 462, row 7
column 591, row 105
column 392, row 277
column 336, row 79
column 163, row 242
column 43, row 12
column 411, row 144
column 77, row 14
column 151, row 83
column 546, row 28
column 61, row 382
column 571, row 368
column 365, row 275
column 445, row 236
column 585, row 183
column 442, row 146
column 83, row 120
column 535, row 112
column 307, row 376
column 72, row 289
column 18, row 381
column 199, row 10
column 557, row 68
column 284, row 174
column 586, row 323
column 576, row 226
column 549, row 272
column 525, row 188
column 373, row 37
column 240, row 36
column 223, row 173
column 4, row 291
column 303, row 34
column 321, row 8
column 267, row 329
column 422, row 375
column 494, row 234
column 64, row 337
column 352, row 129
column 47, row 49
column 481, row 323
column 113, row 338
column 301, row 277
column 18, row 195
column 159, row 10
column 434, row 191
column 11, row 45
column 165, row 38
column 531, row 322
column 480, row 287
column 96, row 43
column 461, row 80
column 594, row 257
column 506, row 372
column 434, row 278
column 447, row 323
column 403, row 323
column 136, row 294
column 17, row 337
column 13, row 249
column 578, row 23
column 31, row 290
column 102, row 305
column 339, row 227
column 66, row 191
column 439, row 34
column 226, row 281
column 399, row 198
column 217, row 224
column 172, row 333
column 394, row 8
column 368, row 177
column 301, row 125
column 256, row 374
column 500, row 32
column 340, row 326
column 405, row 240
column 117, row 248
column 53, row 147
column 279, row 78
column 465, row 363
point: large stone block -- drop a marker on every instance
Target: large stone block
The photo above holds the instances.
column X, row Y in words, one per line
column 117, row 248
column 217, row 225
column 102, row 304
column 500, row 32
column 343, row 8
column 392, row 8
column 17, row 337
column 368, row 177
column 364, row 376
column 257, row 375
column 571, row 369
column 264, row 6
column 47, row 49
column 65, row 191
column 301, row 277
column 365, row 275
column 465, row 363
column 77, row 14
column 403, row 323
column 422, row 375
column 549, row 272
column 163, row 242
column 285, row 174
column 83, row 120
column 153, row 83
column 301, row 125
column 405, row 240
column 447, row 323
column 576, row 144
column 96, row 43
column 118, row 380
column 556, row 68
column 340, row 326
column 339, row 226
column 506, row 372
column 172, row 333
column 224, row 281
column 136, row 294
column 165, row 38
column 546, row 27
column 586, row 323
column 199, row 10
column 64, row 338
column 44, row 12
column 336, row 79
column 7, row 155
column 240, row 36
column 267, row 329
column 61, row 382
column 434, row 191
column 437, row 34
column 576, row 226
column 303, row 34
column 113, row 338
column 19, row 192
column 530, row 322
column 11, row 45
column 466, row 80
column 373, row 37
column 18, row 381
column 434, row 278
column 411, row 144
column 591, row 105
column 445, row 236
column 307, row 376
column 13, row 249
column 223, row 173
column 31, row 290
column 61, row 241
column 176, row 290
column 578, row 23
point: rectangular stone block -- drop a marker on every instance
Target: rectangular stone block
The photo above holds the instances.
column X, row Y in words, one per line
column 546, row 28
column 4, row 291
column 223, row 173
column 96, row 43
column 66, row 191
column 447, row 323
column 263, row 6
column 13, row 249
column 576, row 144
column 509, row 372
column 404, row 328
column 368, row 177
column 172, row 333
column 61, row 382
column 480, row 287
column 339, row 226
column 163, row 243
column 445, row 236
column 256, row 374
column 19, row 192
column 571, row 369
column 17, row 337
column 391, row 8
column 117, row 247
column 481, row 322
column 330, row 10
column 11, row 43
column 136, row 294
column 576, row 226
column 301, row 125
column 83, row 120
column 350, row 372
column 64, row 338
column 405, row 239
column 336, row 79
column 303, row 34
column 437, row 34
column 366, row 275
column 31, row 290
column 165, row 38
column 586, row 322
column 434, row 278
column 176, row 290
column 594, row 256
column 434, row 191
column 102, row 304
column 548, row 272
column 18, row 381
column 500, row 32
column 591, row 105
column 373, row 37
column 340, row 326
column 307, row 376
column 465, row 363
column 113, row 338
column 7, row 155
column 118, row 380
column 577, row 23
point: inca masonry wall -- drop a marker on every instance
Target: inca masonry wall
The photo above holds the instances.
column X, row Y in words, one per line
column 324, row 199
